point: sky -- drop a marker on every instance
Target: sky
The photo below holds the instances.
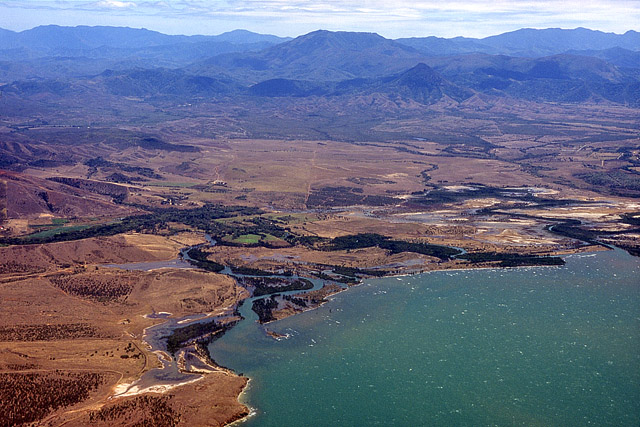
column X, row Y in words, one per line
column 391, row 19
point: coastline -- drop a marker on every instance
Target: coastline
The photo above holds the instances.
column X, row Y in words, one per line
column 252, row 411
column 206, row 361
column 191, row 370
column 505, row 286
column 361, row 282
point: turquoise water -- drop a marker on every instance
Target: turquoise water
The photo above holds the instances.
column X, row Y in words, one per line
column 529, row 346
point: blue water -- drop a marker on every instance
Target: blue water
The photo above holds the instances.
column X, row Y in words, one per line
column 541, row 346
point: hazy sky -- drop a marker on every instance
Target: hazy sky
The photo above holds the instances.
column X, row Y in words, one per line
column 393, row 19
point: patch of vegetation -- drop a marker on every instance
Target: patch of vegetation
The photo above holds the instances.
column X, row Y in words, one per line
column 438, row 251
column 180, row 336
column 632, row 218
column 148, row 409
column 264, row 307
column 47, row 332
column 354, row 272
column 297, row 301
column 29, row 397
column 271, row 285
column 121, row 178
column 356, row 241
column 369, row 181
column 15, row 267
column 249, row 271
column 368, row 240
column 255, row 230
column 572, row 230
column 199, row 259
column 151, row 143
column 202, row 218
column 101, row 289
column 99, row 162
column 247, row 239
column 511, row 260
column 442, row 195
column 618, row 182
column 51, row 232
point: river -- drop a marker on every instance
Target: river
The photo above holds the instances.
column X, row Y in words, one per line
column 548, row 346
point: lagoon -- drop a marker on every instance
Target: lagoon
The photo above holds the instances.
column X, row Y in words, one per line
column 548, row 346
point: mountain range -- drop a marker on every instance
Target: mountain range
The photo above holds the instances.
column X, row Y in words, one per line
column 554, row 65
column 528, row 42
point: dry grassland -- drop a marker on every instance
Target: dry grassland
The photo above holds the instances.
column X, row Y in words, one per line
column 90, row 319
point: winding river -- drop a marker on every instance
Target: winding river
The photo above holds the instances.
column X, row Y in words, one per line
column 169, row 374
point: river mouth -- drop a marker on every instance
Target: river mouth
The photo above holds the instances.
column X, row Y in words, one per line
column 547, row 346
column 188, row 363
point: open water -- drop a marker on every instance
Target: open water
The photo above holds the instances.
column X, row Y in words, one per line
column 546, row 346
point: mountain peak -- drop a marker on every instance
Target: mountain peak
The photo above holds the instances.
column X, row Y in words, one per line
column 324, row 56
column 419, row 76
column 424, row 85
column 246, row 36
column 341, row 39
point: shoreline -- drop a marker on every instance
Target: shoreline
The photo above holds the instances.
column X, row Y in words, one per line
column 189, row 365
column 245, row 391
column 328, row 299
column 210, row 366
column 575, row 252
column 579, row 260
column 252, row 411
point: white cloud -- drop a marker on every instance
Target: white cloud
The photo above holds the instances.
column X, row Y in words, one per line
column 116, row 4
column 292, row 17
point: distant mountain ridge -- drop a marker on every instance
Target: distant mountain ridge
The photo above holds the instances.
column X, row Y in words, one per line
column 319, row 55
column 57, row 40
column 52, row 37
column 123, row 43
column 320, row 64
column 527, row 42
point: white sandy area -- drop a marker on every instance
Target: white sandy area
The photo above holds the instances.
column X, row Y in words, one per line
column 129, row 389
column 160, row 313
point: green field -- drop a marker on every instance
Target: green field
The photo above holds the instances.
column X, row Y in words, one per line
column 247, row 239
column 58, row 230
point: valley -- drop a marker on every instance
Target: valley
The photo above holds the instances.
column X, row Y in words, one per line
column 277, row 163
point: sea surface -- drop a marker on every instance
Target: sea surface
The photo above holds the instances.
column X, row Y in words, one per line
column 544, row 346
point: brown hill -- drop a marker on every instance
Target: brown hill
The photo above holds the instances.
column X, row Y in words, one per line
column 30, row 197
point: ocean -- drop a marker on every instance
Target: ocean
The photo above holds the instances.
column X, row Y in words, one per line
column 547, row 346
